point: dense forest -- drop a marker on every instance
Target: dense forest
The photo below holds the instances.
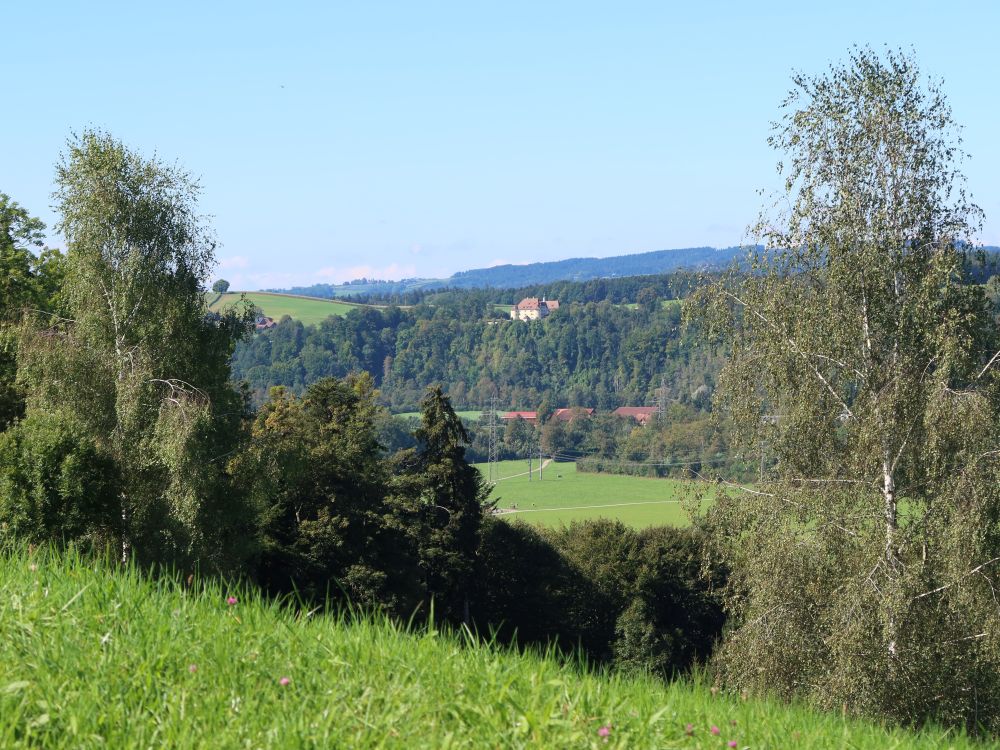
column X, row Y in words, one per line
column 595, row 354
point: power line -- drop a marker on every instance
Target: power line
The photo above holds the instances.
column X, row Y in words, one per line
column 494, row 443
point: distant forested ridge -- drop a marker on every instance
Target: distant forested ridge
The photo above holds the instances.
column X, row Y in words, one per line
column 556, row 277
column 581, row 269
column 511, row 276
column 619, row 291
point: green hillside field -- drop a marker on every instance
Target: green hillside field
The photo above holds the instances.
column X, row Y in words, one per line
column 467, row 416
column 98, row 656
column 564, row 495
column 307, row 309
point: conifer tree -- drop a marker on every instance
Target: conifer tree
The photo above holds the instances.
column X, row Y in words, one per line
column 448, row 496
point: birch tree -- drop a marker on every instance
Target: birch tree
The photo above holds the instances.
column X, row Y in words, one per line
column 139, row 364
column 867, row 558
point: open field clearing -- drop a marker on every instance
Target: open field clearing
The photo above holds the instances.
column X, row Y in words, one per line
column 565, row 495
column 99, row 656
column 309, row 310
column 468, row 416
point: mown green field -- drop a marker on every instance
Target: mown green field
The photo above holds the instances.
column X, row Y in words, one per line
column 664, row 303
column 470, row 415
column 564, row 495
column 307, row 309
column 96, row 656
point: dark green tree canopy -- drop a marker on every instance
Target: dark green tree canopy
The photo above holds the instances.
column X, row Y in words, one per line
column 29, row 281
column 19, row 234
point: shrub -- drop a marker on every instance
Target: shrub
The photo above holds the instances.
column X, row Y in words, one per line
column 55, row 485
column 639, row 600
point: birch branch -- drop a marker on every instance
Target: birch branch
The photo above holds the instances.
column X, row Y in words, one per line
column 795, row 348
column 949, row 585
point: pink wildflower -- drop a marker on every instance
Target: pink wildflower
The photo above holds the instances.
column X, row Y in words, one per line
column 715, row 730
column 689, row 729
column 231, row 601
column 192, row 668
column 604, row 731
column 284, row 681
column 733, row 743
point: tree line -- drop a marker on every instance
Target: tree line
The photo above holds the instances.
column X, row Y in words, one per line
column 592, row 354
column 621, row 289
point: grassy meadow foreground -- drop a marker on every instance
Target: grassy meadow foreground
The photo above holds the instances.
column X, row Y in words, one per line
column 565, row 495
column 94, row 656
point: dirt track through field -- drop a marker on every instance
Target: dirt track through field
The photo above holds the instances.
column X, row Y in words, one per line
column 545, row 464
column 505, row 511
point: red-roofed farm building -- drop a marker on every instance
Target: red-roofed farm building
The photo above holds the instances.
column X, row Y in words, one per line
column 641, row 414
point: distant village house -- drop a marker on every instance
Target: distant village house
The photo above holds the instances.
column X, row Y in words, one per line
column 641, row 414
column 532, row 308
column 262, row 323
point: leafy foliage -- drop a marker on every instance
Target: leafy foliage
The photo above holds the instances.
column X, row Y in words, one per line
column 638, row 600
column 315, row 475
column 27, row 281
column 140, row 366
column 864, row 365
column 598, row 355
column 55, row 484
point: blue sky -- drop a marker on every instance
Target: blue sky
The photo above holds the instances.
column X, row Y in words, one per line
column 335, row 140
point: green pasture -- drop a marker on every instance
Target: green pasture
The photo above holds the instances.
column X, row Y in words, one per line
column 97, row 655
column 309, row 310
column 471, row 415
column 664, row 304
column 564, row 495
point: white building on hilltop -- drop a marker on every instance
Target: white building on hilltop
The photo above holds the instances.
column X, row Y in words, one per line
column 532, row 308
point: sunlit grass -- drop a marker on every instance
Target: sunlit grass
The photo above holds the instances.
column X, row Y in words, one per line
column 470, row 415
column 564, row 495
column 306, row 309
column 96, row 656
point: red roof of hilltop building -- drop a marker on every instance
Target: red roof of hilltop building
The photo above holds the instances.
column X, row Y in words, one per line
column 527, row 416
column 568, row 415
column 532, row 308
column 640, row 414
